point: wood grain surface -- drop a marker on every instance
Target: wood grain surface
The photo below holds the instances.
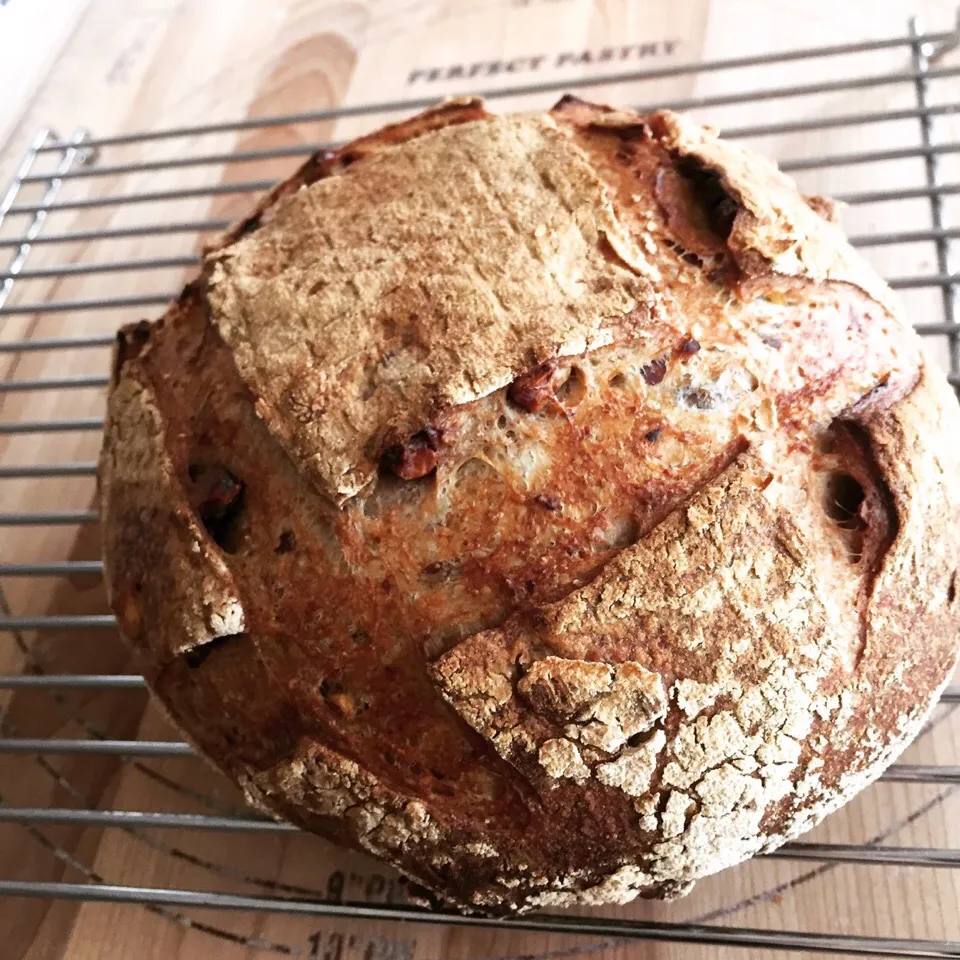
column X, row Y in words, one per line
column 165, row 63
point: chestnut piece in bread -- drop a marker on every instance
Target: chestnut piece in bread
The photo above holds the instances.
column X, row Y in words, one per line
column 553, row 505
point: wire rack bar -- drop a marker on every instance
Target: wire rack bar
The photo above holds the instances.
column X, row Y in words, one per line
column 731, row 133
column 78, row 469
column 898, row 773
column 161, row 299
column 393, row 106
column 74, row 681
column 53, row 383
column 801, row 163
column 96, row 303
column 117, row 266
column 52, row 426
column 58, row 343
column 810, row 124
column 867, row 156
column 907, row 236
column 85, row 236
column 914, row 283
column 139, row 819
column 114, row 748
column 199, row 160
column 931, row 329
column 888, row 196
column 258, row 186
column 162, row 263
column 867, row 855
column 56, row 519
column 201, row 226
column 917, row 773
column 134, row 682
column 565, row 924
column 76, row 621
column 216, row 225
column 56, row 568
column 152, row 196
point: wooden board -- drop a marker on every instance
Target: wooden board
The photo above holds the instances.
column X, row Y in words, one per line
column 169, row 62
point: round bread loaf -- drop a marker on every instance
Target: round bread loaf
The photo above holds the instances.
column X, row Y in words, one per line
column 554, row 506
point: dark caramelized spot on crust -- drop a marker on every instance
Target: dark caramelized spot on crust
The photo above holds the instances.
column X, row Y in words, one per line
column 689, row 347
column 547, row 502
column 654, row 372
column 652, row 436
column 532, row 390
column 217, row 496
column 415, row 458
column 286, row 542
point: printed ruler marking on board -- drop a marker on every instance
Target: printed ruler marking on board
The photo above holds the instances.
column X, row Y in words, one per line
column 337, row 945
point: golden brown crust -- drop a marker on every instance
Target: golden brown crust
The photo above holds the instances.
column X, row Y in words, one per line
column 554, row 506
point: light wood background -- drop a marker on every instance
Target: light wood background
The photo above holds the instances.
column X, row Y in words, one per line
column 117, row 67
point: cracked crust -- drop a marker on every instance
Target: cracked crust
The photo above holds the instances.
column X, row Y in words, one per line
column 554, row 506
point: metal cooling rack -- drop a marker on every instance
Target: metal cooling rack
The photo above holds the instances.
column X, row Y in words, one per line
column 43, row 189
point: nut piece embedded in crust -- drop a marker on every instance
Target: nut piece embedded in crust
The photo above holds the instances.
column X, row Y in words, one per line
column 553, row 505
